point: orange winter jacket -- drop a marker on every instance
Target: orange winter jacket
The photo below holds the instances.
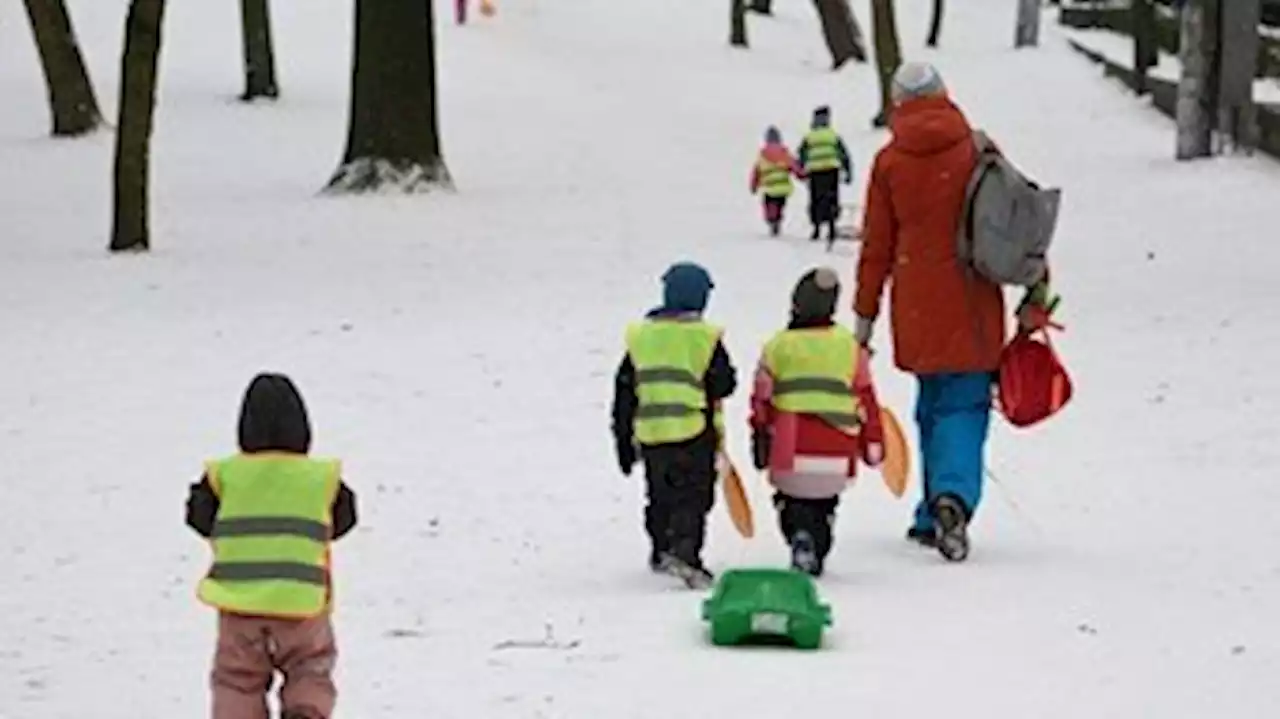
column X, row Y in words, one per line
column 941, row 322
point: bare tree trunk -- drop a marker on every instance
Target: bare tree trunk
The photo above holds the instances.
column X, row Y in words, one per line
column 259, row 56
column 1239, row 40
column 393, row 138
column 935, row 26
column 764, row 7
column 71, row 100
column 1146, row 52
column 129, row 230
column 738, row 23
column 1196, row 101
column 888, row 54
column 844, row 38
column 1027, row 33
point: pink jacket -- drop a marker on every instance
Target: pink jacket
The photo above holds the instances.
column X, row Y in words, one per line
column 810, row 459
column 777, row 153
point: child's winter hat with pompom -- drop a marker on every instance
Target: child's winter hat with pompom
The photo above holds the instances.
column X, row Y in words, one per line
column 914, row 80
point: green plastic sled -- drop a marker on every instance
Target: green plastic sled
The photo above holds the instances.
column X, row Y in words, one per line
column 766, row 606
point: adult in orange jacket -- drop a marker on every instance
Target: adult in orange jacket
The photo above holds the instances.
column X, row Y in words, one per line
column 947, row 327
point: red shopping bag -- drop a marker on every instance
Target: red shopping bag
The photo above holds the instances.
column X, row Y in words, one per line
column 1033, row 385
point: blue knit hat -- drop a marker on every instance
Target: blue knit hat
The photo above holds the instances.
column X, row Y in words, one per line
column 686, row 286
column 772, row 135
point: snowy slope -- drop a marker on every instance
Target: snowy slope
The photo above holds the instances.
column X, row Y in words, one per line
column 457, row 351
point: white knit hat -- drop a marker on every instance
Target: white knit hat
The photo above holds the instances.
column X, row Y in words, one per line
column 916, row 79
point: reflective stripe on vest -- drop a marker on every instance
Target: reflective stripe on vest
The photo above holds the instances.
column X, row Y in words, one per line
column 271, row 536
column 670, row 359
column 775, row 178
column 822, row 150
column 813, row 371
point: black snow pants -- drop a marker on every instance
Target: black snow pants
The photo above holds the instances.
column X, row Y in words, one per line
column 824, row 200
column 681, row 480
column 815, row 516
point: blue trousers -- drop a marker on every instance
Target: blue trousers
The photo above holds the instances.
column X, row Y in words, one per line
column 953, row 413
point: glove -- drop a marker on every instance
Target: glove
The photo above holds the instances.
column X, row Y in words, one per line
column 848, row 178
column 1036, row 307
column 862, row 330
column 761, row 444
column 626, row 455
column 873, row 454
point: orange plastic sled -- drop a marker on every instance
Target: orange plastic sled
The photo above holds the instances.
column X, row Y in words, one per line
column 735, row 498
column 897, row 457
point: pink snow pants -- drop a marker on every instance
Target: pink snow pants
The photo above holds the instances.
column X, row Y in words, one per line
column 250, row 651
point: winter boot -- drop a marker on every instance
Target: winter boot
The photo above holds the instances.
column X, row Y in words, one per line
column 952, row 528
column 923, row 537
column 813, row 236
column 804, row 554
column 693, row 574
column 658, row 561
column 775, row 227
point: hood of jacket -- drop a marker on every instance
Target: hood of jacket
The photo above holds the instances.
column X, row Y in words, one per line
column 273, row 417
column 928, row 126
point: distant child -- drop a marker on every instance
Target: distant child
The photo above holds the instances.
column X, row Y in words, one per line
column 813, row 416
column 825, row 160
column 771, row 177
column 270, row 513
column 667, row 396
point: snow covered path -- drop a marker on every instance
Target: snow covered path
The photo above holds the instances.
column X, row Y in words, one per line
column 457, row 351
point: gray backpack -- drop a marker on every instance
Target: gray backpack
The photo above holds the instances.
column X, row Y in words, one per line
column 1008, row 220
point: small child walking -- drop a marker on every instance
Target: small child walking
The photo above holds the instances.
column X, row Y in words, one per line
column 814, row 415
column 771, row 177
column 270, row 513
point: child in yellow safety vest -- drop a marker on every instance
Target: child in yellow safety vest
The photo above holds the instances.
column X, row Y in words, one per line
column 666, row 410
column 771, row 177
column 270, row 514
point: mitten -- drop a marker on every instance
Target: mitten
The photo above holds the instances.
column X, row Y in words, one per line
column 761, row 444
column 626, row 455
column 862, row 330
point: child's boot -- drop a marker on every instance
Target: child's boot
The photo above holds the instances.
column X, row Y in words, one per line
column 804, row 554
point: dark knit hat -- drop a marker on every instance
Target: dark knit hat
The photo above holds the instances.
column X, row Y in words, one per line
column 816, row 294
column 686, row 286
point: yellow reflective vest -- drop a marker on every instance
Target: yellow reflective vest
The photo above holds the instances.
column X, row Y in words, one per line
column 271, row 535
column 813, row 371
column 671, row 358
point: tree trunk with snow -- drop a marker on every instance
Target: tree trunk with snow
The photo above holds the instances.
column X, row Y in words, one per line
column 888, row 54
column 259, row 55
column 738, row 23
column 393, row 138
column 1196, row 106
column 935, row 25
column 840, row 28
column 71, row 101
column 130, row 230
column 1027, row 32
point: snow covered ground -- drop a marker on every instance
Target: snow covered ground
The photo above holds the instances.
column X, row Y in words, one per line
column 457, row 351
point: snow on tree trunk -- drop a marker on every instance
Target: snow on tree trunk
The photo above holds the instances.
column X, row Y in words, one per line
column 1195, row 108
column 129, row 230
column 935, row 25
column 71, row 101
column 738, row 23
column 840, row 28
column 1027, row 33
column 259, row 56
column 393, row 139
column 888, row 54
